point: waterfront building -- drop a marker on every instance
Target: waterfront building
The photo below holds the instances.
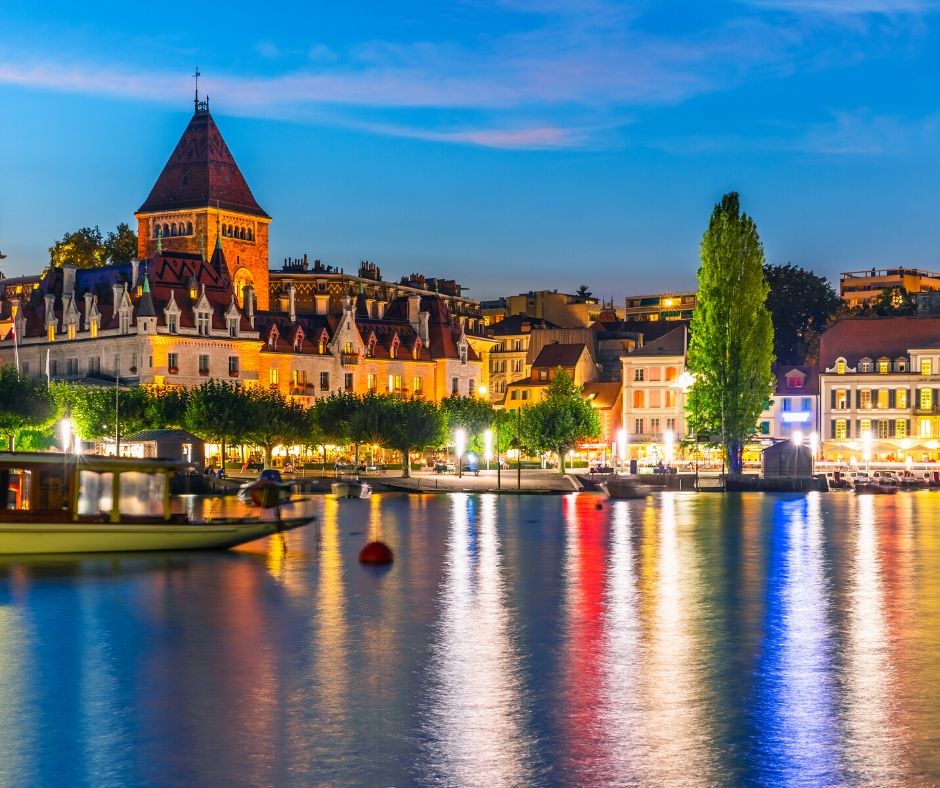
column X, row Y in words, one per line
column 864, row 287
column 794, row 406
column 660, row 306
column 880, row 377
column 509, row 355
column 574, row 358
column 178, row 317
column 654, row 391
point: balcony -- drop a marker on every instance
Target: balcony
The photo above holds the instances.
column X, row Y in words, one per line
column 349, row 359
column 933, row 410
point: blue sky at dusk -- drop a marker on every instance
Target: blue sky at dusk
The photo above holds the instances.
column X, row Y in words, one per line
column 510, row 144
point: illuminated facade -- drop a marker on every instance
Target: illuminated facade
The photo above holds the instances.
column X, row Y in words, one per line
column 794, row 407
column 864, row 287
column 660, row 306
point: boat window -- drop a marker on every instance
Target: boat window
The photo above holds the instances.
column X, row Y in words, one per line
column 14, row 488
column 94, row 493
column 141, row 493
column 51, row 490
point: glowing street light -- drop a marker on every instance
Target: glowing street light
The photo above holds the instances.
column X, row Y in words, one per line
column 482, row 391
column 669, row 439
column 797, row 437
column 460, row 445
column 488, row 447
column 814, row 443
column 866, row 447
column 622, row 445
column 65, row 433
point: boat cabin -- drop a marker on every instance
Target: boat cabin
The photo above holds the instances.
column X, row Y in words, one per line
column 85, row 488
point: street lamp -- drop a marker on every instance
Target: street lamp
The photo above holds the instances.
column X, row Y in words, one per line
column 797, row 438
column 669, row 439
column 482, row 391
column 622, row 446
column 488, row 447
column 65, row 433
column 866, row 445
column 460, row 444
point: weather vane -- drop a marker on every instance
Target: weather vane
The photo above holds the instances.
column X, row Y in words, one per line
column 196, row 77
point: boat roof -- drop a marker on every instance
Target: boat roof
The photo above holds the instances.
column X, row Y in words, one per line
column 92, row 462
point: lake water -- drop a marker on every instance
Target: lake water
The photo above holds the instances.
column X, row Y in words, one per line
column 689, row 639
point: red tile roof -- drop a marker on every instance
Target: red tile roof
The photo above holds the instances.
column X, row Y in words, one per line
column 201, row 172
column 853, row 338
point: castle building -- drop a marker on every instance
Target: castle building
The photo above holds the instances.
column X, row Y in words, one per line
column 178, row 316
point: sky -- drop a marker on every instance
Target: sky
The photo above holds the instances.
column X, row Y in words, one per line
column 511, row 145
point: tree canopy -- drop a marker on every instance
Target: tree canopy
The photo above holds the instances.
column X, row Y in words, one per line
column 87, row 248
column 801, row 304
column 731, row 349
column 471, row 414
column 412, row 425
column 562, row 419
column 25, row 405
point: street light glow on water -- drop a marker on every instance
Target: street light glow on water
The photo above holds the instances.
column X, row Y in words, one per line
column 682, row 639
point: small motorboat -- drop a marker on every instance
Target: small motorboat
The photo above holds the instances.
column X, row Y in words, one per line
column 351, row 488
column 625, row 488
column 875, row 488
column 269, row 488
column 58, row 504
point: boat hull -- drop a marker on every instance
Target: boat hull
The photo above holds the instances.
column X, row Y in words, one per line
column 624, row 489
column 55, row 538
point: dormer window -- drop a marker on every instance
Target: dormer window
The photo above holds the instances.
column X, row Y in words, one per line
column 93, row 329
column 840, row 366
column 298, row 340
column 321, row 346
column 370, row 348
column 50, row 332
column 463, row 354
column 233, row 326
column 348, row 348
column 865, row 365
column 125, row 321
column 884, row 366
column 71, row 331
column 900, row 364
column 926, row 366
column 202, row 323
column 272, row 339
column 173, row 324
column 193, row 291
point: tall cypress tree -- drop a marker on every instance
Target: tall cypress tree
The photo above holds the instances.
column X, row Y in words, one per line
column 731, row 349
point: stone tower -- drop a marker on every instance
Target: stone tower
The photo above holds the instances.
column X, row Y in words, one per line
column 201, row 197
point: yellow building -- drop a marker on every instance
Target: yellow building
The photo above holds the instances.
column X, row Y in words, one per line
column 864, row 287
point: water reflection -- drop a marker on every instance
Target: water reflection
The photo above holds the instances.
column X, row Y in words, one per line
column 798, row 734
column 476, row 725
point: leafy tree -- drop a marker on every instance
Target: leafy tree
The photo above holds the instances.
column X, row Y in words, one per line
column 273, row 420
column 801, row 305
column 471, row 414
column 367, row 422
column 731, row 350
column 220, row 412
column 92, row 409
column 25, row 405
column 166, row 407
column 583, row 292
column 86, row 247
column 121, row 245
column 412, row 425
column 892, row 301
column 561, row 420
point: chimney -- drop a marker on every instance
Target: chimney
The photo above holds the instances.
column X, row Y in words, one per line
column 50, row 309
column 68, row 278
column 250, row 304
column 414, row 305
column 135, row 266
column 423, row 320
column 291, row 291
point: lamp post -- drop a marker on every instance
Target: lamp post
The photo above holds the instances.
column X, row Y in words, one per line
column 488, row 447
column 866, row 447
column 499, row 478
column 622, row 447
column 460, row 444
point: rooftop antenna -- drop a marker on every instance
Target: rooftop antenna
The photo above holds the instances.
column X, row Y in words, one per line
column 196, row 77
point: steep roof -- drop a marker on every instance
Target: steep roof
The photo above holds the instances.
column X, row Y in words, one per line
column 602, row 394
column 559, row 355
column 201, row 172
column 519, row 324
column 670, row 344
column 810, row 381
column 853, row 338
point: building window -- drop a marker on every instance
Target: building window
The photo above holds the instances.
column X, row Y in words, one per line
column 926, row 366
column 765, row 428
column 273, row 377
column 671, row 424
column 884, row 367
column 324, row 381
column 348, row 381
column 202, row 324
column 416, row 386
column 842, row 399
column 233, row 327
column 926, row 399
column 172, row 363
column 371, row 382
column 203, row 364
column 669, row 397
column 71, row 367
column 883, row 428
column 395, row 383
column 840, row 366
column 638, row 426
column 865, row 365
column 785, row 404
column 864, row 399
column 454, row 386
column 94, row 365
column 864, row 426
column 806, row 405
column 71, row 331
column 173, row 323
column 233, row 366
column 654, row 426
column 840, row 429
column 900, row 428
column 638, row 375
column 393, row 351
column 514, row 394
column 543, row 374
column 93, row 329
column 900, row 398
column 925, row 428
column 348, row 348
column 50, row 332
column 525, row 394
column 463, row 354
column 638, row 399
column 882, row 398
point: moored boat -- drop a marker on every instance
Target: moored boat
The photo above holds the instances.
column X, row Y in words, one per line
column 875, row 488
column 351, row 488
column 53, row 504
column 625, row 488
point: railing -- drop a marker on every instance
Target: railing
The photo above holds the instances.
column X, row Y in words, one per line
column 349, row 359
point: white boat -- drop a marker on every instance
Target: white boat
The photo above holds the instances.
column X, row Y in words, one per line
column 87, row 504
column 350, row 488
column 625, row 488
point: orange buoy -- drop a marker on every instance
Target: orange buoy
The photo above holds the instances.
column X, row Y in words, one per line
column 376, row 553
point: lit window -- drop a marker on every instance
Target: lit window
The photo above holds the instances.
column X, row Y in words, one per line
column 926, row 366
column 882, row 398
column 371, row 382
column 93, row 329
column 840, row 429
column 840, row 366
column 925, row 428
column 638, row 375
column 348, row 348
column 273, row 377
column 71, row 331
column 50, row 332
column 884, row 367
column 864, row 426
column 864, row 399
column 900, row 398
column 842, row 399
column 416, row 386
column 324, row 381
column 926, row 399
column 900, row 428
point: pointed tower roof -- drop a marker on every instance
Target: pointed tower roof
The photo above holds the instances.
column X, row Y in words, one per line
column 201, row 173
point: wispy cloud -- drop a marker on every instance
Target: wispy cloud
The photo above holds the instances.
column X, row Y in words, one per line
column 569, row 71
